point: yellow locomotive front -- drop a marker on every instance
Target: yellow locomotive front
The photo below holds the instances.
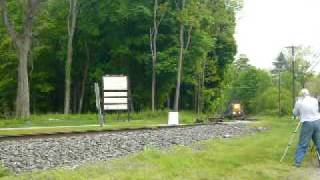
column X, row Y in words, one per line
column 236, row 109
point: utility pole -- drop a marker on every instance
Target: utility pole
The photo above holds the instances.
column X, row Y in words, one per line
column 279, row 65
column 293, row 73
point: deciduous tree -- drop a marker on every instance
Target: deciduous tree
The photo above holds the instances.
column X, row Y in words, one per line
column 72, row 19
column 22, row 41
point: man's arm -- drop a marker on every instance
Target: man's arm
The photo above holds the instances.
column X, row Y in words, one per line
column 296, row 111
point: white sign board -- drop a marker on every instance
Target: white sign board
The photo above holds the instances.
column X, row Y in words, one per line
column 116, row 100
column 115, row 92
column 115, row 83
column 116, row 107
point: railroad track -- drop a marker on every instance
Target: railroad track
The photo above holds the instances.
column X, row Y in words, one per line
column 222, row 119
column 98, row 131
column 209, row 121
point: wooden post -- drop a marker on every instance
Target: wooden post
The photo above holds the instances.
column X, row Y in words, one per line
column 98, row 103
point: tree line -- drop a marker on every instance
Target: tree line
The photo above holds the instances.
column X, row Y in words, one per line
column 175, row 52
column 269, row 92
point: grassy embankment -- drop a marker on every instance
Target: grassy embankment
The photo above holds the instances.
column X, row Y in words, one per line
column 252, row 157
column 84, row 122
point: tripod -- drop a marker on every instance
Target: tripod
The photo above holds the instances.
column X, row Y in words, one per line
column 314, row 149
column 291, row 141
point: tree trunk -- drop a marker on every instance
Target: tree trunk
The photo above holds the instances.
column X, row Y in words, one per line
column 177, row 95
column 202, row 88
column 199, row 95
column 130, row 99
column 195, row 97
column 75, row 97
column 68, row 78
column 153, row 39
column 183, row 47
column 168, row 101
column 23, row 93
column 71, row 28
column 84, row 79
column 22, row 43
column 153, row 80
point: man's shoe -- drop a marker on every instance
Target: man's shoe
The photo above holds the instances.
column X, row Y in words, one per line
column 297, row 165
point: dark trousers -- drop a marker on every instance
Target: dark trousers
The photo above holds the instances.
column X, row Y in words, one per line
column 309, row 130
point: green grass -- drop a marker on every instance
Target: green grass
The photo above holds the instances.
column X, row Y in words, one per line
column 51, row 120
column 252, row 157
column 4, row 172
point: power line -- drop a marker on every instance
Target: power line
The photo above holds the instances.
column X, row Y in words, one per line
column 316, row 60
column 315, row 64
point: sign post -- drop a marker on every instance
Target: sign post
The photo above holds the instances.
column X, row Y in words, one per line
column 98, row 104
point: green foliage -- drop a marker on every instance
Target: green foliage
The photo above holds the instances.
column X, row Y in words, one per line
column 245, row 84
column 117, row 36
column 268, row 102
column 258, row 90
column 8, row 62
column 313, row 85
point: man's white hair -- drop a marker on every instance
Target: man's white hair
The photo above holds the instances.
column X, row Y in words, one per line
column 304, row 92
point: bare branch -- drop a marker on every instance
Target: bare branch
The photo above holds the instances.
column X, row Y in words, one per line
column 189, row 37
column 161, row 18
column 29, row 17
column 11, row 31
column 72, row 17
column 151, row 46
column 69, row 17
column 75, row 13
column 177, row 4
column 155, row 11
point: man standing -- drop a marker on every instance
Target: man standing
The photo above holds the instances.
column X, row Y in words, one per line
column 306, row 107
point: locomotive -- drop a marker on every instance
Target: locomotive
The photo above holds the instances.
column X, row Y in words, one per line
column 235, row 111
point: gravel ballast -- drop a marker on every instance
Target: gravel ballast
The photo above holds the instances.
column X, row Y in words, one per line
column 56, row 151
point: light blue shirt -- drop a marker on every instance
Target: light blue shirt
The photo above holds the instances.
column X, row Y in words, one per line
column 307, row 109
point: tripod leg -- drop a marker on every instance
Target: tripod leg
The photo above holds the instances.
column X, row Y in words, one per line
column 318, row 158
column 290, row 142
column 315, row 139
column 314, row 148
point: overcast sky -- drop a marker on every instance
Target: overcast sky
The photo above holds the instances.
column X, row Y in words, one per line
column 265, row 27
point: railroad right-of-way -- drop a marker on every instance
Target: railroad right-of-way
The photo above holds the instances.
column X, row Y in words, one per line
column 34, row 153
